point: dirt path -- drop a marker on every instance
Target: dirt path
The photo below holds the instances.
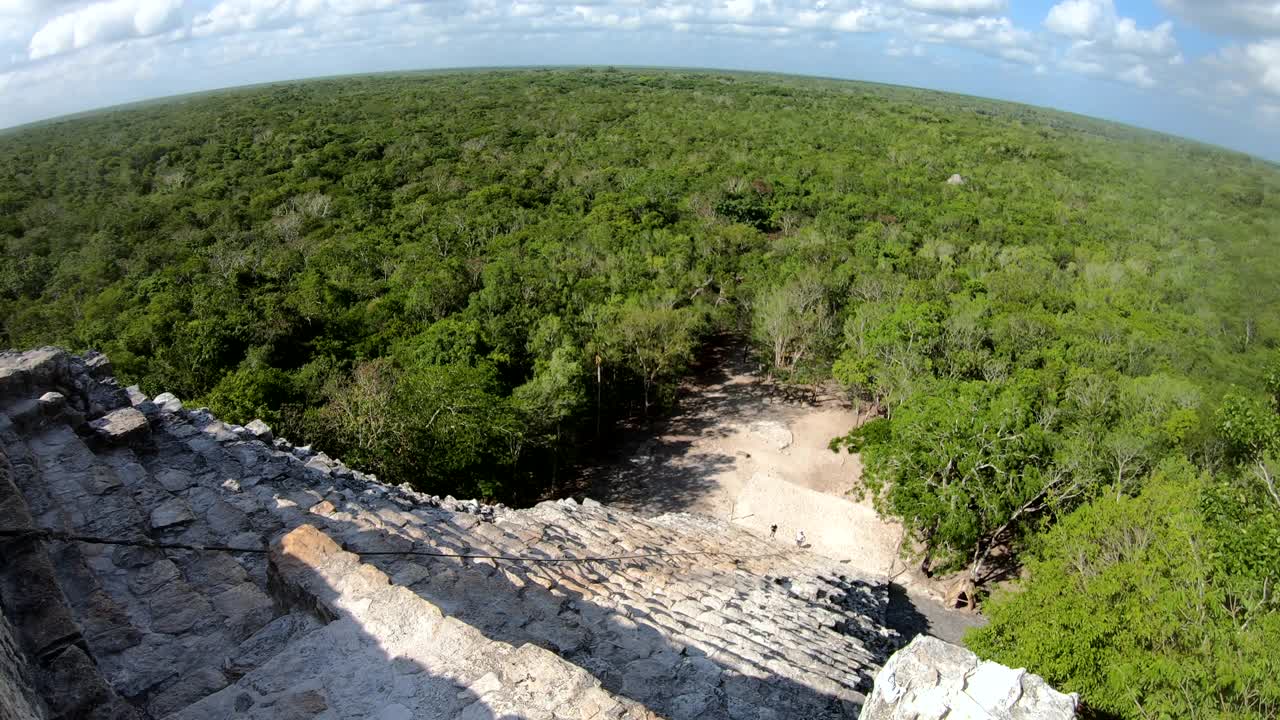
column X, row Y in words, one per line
column 744, row 449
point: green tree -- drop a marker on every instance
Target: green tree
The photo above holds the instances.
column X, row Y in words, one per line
column 431, row 425
column 1251, row 433
column 1133, row 603
column 792, row 320
column 249, row 393
column 554, row 395
column 654, row 339
column 964, row 466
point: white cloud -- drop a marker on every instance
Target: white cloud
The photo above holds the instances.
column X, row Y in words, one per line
column 896, row 48
column 1233, row 17
column 1096, row 21
column 1084, row 19
column 64, row 42
column 1084, row 67
column 232, row 16
column 1265, row 59
column 996, row 37
column 1252, row 67
column 1128, row 37
column 57, row 27
column 958, row 7
column 1104, row 44
column 1138, row 75
column 105, row 22
column 740, row 9
column 859, row 20
column 32, row 8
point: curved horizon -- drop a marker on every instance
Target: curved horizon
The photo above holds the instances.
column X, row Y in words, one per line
column 130, row 104
column 1208, row 72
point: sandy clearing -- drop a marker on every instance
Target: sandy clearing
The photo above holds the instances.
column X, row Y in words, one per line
column 833, row 527
column 743, row 449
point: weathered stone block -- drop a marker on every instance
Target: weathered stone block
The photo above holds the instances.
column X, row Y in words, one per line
column 260, row 430
column 167, row 402
column 171, row 512
column 934, row 679
column 118, row 427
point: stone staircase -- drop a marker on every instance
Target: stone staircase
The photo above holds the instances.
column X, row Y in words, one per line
column 320, row 607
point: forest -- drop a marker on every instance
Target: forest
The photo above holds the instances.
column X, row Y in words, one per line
column 466, row 280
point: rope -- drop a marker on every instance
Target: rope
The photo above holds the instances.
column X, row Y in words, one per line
column 70, row 537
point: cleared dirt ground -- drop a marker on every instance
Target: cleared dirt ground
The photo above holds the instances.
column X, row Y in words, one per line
column 745, row 449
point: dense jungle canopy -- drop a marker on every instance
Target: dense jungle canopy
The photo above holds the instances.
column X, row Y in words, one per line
column 463, row 280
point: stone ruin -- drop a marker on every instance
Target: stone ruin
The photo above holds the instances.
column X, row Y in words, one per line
column 156, row 562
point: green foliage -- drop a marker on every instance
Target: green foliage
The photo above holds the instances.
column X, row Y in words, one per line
column 794, row 320
column 249, row 393
column 956, row 463
column 1140, row 604
column 433, row 423
column 459, row 279
column 653, row 339
column 1249, row 429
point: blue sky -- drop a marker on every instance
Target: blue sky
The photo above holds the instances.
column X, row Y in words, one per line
column 1206, row 69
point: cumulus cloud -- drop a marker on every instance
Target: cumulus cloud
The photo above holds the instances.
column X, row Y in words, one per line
column 996, row 37
column 1252, row 67
column 1096, row 21
column 1139, row 75
column 105, row 22
column 1083, row 19
column 958, row 7
column 1241, row 71
column 1233, row 17
column 58, row 39
column 32, row 8
column 896, row 48
column 233, row 16
column 57, row 27
column 1083, row 66
column 1103, row 43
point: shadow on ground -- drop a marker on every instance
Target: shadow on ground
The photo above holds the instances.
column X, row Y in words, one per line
column 653, row 466
column 914, row 613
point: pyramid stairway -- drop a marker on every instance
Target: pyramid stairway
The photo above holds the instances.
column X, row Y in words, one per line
column 334, row 595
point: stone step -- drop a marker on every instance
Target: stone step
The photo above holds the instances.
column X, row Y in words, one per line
column 775, row 633
column 413, row 660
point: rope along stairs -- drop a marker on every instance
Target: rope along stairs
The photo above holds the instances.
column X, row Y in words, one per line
column 186, row 568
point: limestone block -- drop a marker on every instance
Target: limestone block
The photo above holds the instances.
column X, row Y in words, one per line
column 18, row 698
column 189, row 688
column 73, row 689
column 260, row 430
column 171, row 512
column 934, row 679
column 175, row 480
column 167, row 402
column 52, row 403
column 124, row 425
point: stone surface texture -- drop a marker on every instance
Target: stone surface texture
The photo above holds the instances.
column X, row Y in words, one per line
column 18, row 698
column 933, row 679
column 310, row 589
